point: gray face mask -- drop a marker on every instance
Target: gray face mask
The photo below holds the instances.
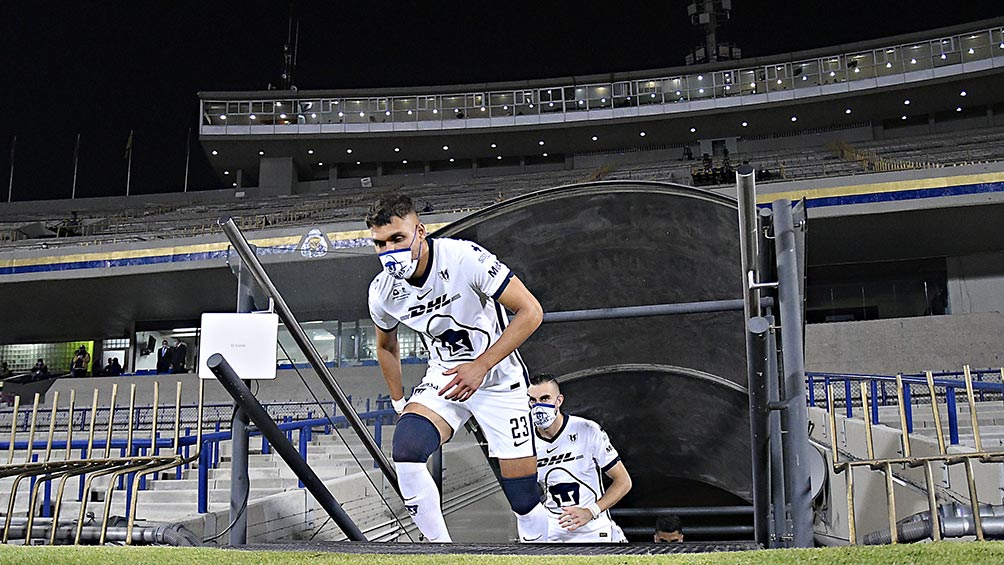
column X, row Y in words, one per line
column 543, row 415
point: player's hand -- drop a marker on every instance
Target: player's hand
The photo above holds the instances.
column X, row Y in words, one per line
column 467, row 378
column 573, row 518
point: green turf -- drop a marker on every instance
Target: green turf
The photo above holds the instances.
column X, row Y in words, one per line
column 940, row 553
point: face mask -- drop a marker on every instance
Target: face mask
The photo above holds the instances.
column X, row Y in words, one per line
column 398, row 263
column 543, row 415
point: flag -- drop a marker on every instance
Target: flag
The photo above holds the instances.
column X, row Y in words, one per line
column 128, row 148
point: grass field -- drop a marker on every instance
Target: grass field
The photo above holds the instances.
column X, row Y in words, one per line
column 940, row 553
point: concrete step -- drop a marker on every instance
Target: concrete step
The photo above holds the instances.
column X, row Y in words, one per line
column 192, row 484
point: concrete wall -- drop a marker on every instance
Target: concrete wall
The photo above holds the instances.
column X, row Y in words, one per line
column 906, row 344
column 976, row 283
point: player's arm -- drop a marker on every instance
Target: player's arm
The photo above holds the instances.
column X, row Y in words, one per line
column 528, row 315
column 620, row 486
column 388, row 351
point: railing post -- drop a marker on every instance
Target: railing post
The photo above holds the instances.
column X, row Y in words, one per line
column 303, row 451
column 265, row 448
column 812, row 390
column 953, row 415
column 908, row 407
column 83, row 476
column 203, row 478
column 847, row 398
column 875, row 405
column 47, row 500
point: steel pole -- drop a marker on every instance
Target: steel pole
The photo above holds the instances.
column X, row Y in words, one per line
column 242, row 395
column 643, row 311
column 796, row 434
column 756, row 380
column 779, row 507
column 240, row 483
column 255, row 268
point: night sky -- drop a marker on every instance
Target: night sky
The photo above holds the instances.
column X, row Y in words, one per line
column 103, row 68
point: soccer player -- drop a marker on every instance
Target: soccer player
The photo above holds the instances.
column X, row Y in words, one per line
column 452, row 292
column 571, row 456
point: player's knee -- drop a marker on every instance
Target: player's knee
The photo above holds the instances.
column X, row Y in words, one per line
column 523, row 493
column 415, row 438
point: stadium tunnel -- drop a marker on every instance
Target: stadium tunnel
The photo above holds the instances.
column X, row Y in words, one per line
column 669, row 390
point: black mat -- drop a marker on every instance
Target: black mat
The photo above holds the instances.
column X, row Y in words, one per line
column 504, row 549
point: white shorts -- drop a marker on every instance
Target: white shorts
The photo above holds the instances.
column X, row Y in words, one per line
column 501, row 410
column 600, row 530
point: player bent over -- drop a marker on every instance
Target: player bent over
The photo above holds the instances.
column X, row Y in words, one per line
column 571, row 454
column 452, row 292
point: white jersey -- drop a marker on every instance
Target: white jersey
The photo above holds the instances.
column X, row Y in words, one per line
column 571, row 463
column 454, row 307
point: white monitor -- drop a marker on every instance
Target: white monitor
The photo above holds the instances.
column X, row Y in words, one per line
column 247, row 341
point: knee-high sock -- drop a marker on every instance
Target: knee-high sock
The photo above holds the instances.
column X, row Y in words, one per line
column 421, row 498
column 532, row 526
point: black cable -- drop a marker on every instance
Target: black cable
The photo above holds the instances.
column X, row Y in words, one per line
column 334, row 428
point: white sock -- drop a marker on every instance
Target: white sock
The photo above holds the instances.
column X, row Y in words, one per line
column 421, row 498
column 532, row 526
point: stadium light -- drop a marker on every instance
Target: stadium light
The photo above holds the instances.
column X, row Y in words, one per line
column 215, row 152
column 404, row 161
column 349, row 151
column 972, row 51
column 794, row 118
column 963, row 93
column 641, row 133
column 446, row 148
column 906, row 102
column 700, row 77
column 494, row 146
column 386, row 113
column 359, row 162
column 903, row 117
column 847, row 111
column 282, row 116
column 362, row 114
column 313, row 115
column 223, row 116
column 226, row 172
column 499, row 157
column 235, row 184
column 340, row 114
column 693, row 130
column 397, row 150
column 310, row 152
column 545, row 154
column 745, row 124
column 260, row 153
column 958, row 109
column 435, row 110
column 451, row 159
column 410, row 112
column 541, row 142
column 253, row 117
column 594, row 138
column 320, row 163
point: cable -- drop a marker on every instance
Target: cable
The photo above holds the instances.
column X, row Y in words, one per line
column 355, row 459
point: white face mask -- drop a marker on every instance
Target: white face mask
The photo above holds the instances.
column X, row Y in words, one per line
column 398, row 262
column 543, row 415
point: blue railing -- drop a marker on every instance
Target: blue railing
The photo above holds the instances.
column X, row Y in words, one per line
column 986, row 384
column 209, row 454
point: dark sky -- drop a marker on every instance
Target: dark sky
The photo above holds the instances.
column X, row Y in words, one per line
column 102, row 69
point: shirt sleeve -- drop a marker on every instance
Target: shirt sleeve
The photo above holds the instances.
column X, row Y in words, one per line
column 603, row 451
column 380, row 317
column 487, row 272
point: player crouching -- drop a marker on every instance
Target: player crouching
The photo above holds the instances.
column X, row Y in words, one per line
column 573, row 452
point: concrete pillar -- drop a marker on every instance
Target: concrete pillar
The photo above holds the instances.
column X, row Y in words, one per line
column 277, row 175
column 239, row 178
column 425, row 173
column 522, row 164
column 569, row 162
column 474, row 168
column 379, row 172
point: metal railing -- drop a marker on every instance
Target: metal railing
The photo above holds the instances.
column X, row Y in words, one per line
column 778, row 78
column 868, row 394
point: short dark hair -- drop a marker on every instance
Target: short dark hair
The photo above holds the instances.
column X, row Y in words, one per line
column 541, row 378
column 387, row 206
column 668, row 523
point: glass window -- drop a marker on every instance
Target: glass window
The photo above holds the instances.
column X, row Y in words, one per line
column 870, row 291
